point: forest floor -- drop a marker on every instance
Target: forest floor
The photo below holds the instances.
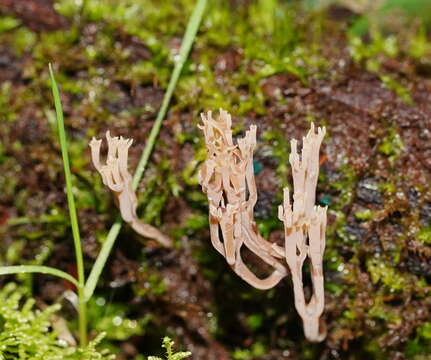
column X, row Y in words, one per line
column 279, row 68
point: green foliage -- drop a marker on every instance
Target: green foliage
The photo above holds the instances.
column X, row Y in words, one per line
column 388, row 275
column 397, row 87
column 364, row 215
column 420, row 347
column 256, row 350
column 424, row 234
column 255, row 321
column 419, row 46
column 8, row 23
column 25, row 333
column 391, row 145
column 154, row 283
column 386, row 15
column 279, row 143
column 373, row 52
column 111, row 319
column 170, row 354
column 156, row 192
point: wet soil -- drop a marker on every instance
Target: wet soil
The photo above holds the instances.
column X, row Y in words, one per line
column 204, row 305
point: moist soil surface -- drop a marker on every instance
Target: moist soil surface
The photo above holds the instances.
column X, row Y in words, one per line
column 375, row 172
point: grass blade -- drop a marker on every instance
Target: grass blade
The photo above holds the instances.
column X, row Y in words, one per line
column 188, row 39
column 25, row 269
column 72, row 208
column 68, row 176
column 103, row 255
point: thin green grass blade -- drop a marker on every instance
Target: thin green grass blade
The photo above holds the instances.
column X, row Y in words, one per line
column 188, row 39
column 72, row 210
column 25, row 269
column 98, row 266
column 68, row 177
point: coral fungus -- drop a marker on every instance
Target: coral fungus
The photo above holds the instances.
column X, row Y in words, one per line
column 227, row 179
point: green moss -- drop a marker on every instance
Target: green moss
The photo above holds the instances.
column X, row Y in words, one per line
column 381, row 271
column 391, row 145
column 348, row 314
column 424, row 235
column 23, row 40
column 424, row 331
column 190, row 172
column 5, row 99
column 156, row 192
column 397, row 87
column 255, row 321
column 268, row 44
column 8, row 23
column 419, row 46
column 192, row 225
column 266, row 226
column 381, row 311
column 150, row 283
column 371, row 53
column 364, row 215
column 345, row 186
column 26, row 333
column 388, row 188
column 334, row 288
column 256, row 350
column 279, row 146
column 168, row 345
column 420, row 347
column 14, row 252
column 112, row 319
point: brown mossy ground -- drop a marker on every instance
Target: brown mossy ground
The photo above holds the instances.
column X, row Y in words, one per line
column 277, row 66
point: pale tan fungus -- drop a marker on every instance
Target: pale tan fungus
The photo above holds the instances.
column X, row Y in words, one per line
column 117, row 178
column 227, row 178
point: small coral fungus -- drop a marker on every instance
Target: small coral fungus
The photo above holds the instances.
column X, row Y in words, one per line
column 118, row 179
column 227, row 178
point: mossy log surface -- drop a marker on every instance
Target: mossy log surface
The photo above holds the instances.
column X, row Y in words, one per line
column 275, row 65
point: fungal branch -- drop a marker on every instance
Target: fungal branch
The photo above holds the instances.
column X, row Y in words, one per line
column 304, row 231
column 227, row 178
column 117, row 178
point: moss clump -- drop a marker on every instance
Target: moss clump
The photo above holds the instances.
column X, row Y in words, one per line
column 168, row 344
column 424, row 234
column 420, row 347
column 383, row 272
column 391, row 145
column 25, row 333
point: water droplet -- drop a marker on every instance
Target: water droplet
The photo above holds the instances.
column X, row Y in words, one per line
column 101, row 301
column 117, row 321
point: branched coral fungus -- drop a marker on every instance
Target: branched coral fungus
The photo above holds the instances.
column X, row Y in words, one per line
column 117, row 178
column 227, row 178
